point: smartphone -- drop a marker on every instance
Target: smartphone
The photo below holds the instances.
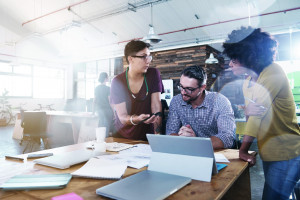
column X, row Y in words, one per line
column 156, row 114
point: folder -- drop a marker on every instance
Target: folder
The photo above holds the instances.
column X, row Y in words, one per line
column 37, row 182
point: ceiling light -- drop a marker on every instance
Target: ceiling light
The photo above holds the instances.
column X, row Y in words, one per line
column 152, row 38
column 211, row 59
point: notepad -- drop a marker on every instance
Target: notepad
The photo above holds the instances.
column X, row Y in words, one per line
column 115, row 146
column 37, row 182
column 101, row 169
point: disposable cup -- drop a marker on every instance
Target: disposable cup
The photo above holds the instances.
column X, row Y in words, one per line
column 100, row 134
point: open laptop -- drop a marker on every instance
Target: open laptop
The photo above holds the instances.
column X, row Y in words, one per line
column 194, row 156
column 67, row 159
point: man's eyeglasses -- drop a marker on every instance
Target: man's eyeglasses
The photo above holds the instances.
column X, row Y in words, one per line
column 188, row 90
column 145, row 57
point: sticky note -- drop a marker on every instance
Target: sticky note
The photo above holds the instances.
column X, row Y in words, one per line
column 69, row 196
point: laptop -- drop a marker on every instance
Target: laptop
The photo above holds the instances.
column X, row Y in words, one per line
column 66, row 160
column 193, row 154
column 146, row 185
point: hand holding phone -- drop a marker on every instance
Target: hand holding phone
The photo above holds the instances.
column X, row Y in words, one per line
column 156, row 114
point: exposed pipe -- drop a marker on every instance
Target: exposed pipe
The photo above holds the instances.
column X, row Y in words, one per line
column 34, row 59
column 221, row 22
column 72, row 5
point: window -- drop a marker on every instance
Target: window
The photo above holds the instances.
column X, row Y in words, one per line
column 5, row 67
column 48, row 82
column 31, row 81
column 17, row 84
column 86, row 76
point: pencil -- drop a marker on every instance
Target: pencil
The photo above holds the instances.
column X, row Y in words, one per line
column 253, row 102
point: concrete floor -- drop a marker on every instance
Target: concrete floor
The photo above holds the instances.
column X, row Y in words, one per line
column 9, row 146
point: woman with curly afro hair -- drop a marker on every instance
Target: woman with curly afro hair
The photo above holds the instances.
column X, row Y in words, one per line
column 269, row 108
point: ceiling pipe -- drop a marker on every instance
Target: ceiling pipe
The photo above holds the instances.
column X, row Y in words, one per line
column 221, row 22
column 67, row 7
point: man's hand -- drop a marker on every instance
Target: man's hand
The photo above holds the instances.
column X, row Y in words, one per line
column 250, row 158
column 186, row 131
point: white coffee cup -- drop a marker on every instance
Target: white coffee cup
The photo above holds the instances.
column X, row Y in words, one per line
column 100, row 134
column 99, row 147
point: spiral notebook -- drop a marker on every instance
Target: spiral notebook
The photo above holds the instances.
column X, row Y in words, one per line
column 101, row 169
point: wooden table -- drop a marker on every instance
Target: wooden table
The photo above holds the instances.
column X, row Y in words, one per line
column 232, row 182
column 83, row 124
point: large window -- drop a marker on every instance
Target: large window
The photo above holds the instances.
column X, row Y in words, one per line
column 87, row 76
column 17, row 81
column 48, row 82
column 31, row 81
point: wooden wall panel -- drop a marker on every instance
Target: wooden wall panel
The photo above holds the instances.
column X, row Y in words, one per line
column 170, row 63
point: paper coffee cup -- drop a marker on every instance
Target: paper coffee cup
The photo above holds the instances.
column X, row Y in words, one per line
column 99, row 147
column 100, row 134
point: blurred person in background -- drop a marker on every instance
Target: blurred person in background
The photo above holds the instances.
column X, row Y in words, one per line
column 101, row 103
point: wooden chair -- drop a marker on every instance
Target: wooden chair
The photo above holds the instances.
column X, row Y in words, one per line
column 35, row 129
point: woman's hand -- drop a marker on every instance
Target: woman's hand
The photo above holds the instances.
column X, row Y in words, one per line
column 152, row 119
column 254, row 109
column 250, row 158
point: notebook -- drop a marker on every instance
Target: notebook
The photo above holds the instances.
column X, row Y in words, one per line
column 66, row 160
column 37, row 182
column 101, row 169
column 146, row 185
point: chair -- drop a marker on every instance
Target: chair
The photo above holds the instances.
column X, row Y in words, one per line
column 35, row 129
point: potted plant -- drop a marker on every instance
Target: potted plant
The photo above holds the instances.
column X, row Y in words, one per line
column 5, row 109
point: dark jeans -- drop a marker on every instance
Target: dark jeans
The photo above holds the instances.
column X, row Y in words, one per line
column 280, row 178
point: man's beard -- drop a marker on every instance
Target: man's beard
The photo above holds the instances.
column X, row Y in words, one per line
column 190, row 99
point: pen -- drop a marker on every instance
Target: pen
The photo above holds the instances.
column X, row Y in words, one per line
column 253, row 102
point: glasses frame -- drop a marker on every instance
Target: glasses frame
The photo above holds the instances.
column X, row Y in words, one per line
column 145, row 57
column 187, row 90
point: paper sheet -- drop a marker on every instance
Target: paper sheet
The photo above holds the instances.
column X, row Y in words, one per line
column 139, row 148
column 221, row 158
column 101, row 169
column 134, row 160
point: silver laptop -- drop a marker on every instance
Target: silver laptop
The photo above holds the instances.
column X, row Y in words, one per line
column 66, row 160
column 192, row 147
column 146, row 185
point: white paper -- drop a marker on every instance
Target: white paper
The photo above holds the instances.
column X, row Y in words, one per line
column 221, row 158
column 139, row 148
column 101, row 169
column 134, row 160
column 115, row 146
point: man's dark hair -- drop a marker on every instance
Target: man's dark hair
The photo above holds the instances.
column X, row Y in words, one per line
column 102, row 77
column 253, row 48
column 133, row 47
column 195, row 72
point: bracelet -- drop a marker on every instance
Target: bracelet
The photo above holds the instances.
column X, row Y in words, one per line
column 132, row 121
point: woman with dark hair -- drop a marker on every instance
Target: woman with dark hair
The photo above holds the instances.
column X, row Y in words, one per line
column 135, row 94
column 101, row 103
column 270, row 110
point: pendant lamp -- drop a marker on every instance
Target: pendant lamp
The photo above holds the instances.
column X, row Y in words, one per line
column 152, row 38
column 211, row 59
